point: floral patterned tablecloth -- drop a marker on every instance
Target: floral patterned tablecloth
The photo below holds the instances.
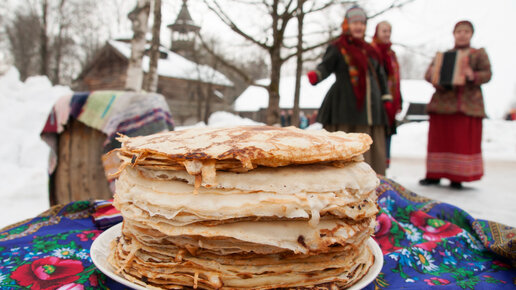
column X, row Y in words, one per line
column 425, row 244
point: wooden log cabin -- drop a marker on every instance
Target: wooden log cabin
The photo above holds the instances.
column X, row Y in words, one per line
column 185, row 84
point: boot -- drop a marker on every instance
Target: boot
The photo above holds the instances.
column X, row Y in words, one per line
column 430, row 181
column 456, row 185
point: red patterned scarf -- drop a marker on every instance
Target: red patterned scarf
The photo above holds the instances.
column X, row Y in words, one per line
column 390, row 62
column 356, row 51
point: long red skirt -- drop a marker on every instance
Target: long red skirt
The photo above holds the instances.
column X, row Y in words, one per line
column 454, row 148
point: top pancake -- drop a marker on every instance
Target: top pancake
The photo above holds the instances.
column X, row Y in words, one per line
column 252, row 146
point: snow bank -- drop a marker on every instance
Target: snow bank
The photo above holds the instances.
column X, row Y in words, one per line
column 24, row 107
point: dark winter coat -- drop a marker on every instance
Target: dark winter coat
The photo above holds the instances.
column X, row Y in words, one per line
column 339, row 106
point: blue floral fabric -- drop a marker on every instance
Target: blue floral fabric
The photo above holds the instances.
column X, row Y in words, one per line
column 426, row 244
column 52, row 251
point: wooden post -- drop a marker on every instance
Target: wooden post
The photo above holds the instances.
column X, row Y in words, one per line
column 79, row 174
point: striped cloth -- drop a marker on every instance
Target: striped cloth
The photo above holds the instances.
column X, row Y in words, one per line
column 111, row 112
column 105, row 214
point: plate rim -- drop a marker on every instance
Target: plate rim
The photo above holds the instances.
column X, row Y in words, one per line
column 99, row 253
column 100, row 258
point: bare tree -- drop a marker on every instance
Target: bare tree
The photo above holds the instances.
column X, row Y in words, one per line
column 58, row 51
column 44, row 38
column 299, row 61
column 139, row 17
column 21, row 32
column 151, row 81
column 280, row 13
column 68, row 41
column 204, row 85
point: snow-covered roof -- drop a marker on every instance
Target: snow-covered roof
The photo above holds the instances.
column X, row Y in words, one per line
column 176, row 66
column 255, row 98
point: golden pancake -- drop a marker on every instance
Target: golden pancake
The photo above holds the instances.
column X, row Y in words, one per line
column 249, row 207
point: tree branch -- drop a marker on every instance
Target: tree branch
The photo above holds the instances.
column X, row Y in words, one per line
column 392, row 6
column 324, row 6
column 229, row 65
column 286, row 16
column 227, row 20
column 308, row 49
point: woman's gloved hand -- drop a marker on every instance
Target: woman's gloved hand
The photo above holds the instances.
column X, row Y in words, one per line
column 312, row 77
column 390, row 110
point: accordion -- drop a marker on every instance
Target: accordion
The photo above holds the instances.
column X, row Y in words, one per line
column 449, row 68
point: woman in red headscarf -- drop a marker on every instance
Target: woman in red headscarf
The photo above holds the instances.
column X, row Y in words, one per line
column 456, row 113
column 382, row 43
column 355, row 102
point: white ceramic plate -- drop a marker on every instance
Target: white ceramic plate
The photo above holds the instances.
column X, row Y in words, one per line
column 375, row 268
column 100, row 250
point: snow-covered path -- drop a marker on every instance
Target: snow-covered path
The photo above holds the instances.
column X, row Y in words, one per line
column 491, row 198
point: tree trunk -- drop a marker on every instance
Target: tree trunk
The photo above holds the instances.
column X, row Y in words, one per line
column 59, row 45
column 207, row 104
column 139, row 17
column 299, row 63
column 151, row 83
column 57, row 68
column 44, row 39
column 200, row 97
column 273, row 110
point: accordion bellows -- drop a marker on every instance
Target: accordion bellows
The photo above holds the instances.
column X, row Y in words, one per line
column 449, row 68
column 245, row 208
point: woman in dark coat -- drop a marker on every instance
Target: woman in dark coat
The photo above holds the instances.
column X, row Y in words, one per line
column 355, row 102
column 456, row 113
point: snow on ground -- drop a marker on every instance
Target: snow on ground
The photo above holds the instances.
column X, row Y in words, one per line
column 24, row 183
column 24, row 108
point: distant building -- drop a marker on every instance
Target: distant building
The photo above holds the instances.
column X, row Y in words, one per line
column 253, row 102
column 184, row 83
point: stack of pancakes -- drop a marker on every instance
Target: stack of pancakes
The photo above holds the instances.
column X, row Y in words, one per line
column 251, row 207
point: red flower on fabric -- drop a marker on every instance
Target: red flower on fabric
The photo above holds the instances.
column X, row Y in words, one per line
column 428, row 246
column 501, row 264
column 47, row 273
column 382, row 234
column 434, row 229
column 94, row 280
column 88, row 235
column 436, row 281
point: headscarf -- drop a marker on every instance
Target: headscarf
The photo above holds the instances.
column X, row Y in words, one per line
column 467, row 23
column 464, row 22
column 391, row 65
column 356, row 51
